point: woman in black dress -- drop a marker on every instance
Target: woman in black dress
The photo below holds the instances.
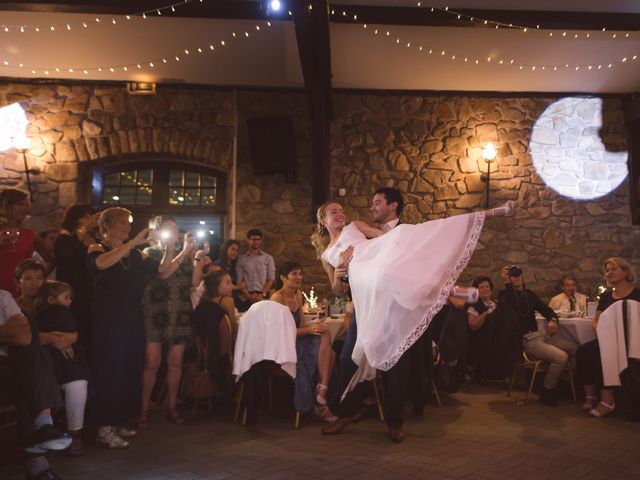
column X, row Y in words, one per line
column 78, row 224
column 117, row 329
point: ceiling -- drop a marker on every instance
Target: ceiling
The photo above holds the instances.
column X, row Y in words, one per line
column 360, row 59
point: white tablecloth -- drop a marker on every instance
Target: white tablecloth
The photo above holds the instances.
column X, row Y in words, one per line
column 334, row 323
column 578, row 329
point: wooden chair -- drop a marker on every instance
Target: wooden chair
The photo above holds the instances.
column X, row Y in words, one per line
column 537, row 366
column 224, row 350
column 275, row 372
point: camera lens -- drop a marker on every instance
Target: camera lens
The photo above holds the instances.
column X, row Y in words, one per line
column 515, row 271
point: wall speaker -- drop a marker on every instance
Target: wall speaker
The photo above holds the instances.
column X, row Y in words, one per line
column 272, row 146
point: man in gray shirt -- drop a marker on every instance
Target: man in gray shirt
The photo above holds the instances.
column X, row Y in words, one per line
column 256, row 268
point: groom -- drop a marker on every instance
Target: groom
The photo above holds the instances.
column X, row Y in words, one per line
column 386, row 207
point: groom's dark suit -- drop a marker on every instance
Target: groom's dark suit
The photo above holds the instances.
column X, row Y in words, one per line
column 411, row 366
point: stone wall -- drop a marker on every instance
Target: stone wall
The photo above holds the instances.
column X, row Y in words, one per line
column 431, row 148
column 428, row 146
column 74, row 126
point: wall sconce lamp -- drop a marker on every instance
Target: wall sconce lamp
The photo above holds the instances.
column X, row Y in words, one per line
column 22, row 144
column 489, row 154
column 141, row 88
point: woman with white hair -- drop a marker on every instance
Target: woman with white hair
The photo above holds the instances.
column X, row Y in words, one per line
column 117, row 335
column 592, row 357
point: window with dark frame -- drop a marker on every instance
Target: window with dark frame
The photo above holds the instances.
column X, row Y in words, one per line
column 159, row 186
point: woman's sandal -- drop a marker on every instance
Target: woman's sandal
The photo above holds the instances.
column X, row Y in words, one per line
column 590, row 403
column 325, row 414
column 174, row 416
column 594, row 412
column 142, row 421
column 320, row 399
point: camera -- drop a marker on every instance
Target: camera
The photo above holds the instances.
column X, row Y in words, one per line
column 515, row 271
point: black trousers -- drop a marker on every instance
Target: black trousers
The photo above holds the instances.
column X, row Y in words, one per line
column 406, row 378
column 27, row 379
column 588, row 364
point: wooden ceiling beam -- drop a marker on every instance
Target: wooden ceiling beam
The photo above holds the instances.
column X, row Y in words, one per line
column 384, row 15
column 314, row 48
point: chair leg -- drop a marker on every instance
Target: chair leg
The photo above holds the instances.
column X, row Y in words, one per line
column 533, row 379
column 513, row 380
column 378, row 400
column 236, row 416
column 209, row 404
column 572, row 383
column 244, row 417
column 296, row 423
column 195, row 408
column 436, row 393
column 270, row 394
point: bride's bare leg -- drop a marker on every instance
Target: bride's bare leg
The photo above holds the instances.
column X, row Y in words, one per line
column 504, row 210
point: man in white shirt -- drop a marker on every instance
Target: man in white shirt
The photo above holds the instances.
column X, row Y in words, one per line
column 256, row 269
column 569, row 300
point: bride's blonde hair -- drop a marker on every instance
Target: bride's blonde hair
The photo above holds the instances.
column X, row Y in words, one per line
column 320, row 237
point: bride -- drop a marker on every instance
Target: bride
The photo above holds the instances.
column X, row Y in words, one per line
column 399, row 280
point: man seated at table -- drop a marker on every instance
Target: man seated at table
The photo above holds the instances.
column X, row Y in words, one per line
column 569, row 300
column 547, row 347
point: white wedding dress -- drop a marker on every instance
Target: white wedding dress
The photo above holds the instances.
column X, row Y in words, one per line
column 400, row 280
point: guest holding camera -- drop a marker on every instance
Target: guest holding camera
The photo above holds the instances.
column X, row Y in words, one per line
column 117, row 337
column 166, row 308
column 548, row 346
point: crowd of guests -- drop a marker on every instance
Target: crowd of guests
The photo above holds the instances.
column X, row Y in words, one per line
column 87, row 310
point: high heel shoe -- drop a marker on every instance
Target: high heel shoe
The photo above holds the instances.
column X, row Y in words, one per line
column 321, row 399
column 325, row 414
column 609, row 408
column 589, row 404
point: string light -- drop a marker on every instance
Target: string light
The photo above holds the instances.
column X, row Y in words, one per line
column 501, row 61
column 67, row 26
column 149, row 63
column 497, row 24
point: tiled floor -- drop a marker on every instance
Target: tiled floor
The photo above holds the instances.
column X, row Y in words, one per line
column 479, row 433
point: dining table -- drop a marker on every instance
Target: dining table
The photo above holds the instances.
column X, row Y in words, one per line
column 578, row 329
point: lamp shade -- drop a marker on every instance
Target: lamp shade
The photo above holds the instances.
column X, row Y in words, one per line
column 489, row 152
column 22, row 143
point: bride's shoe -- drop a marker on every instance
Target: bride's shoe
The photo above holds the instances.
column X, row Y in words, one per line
column 470, row 294
column 504, row 210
